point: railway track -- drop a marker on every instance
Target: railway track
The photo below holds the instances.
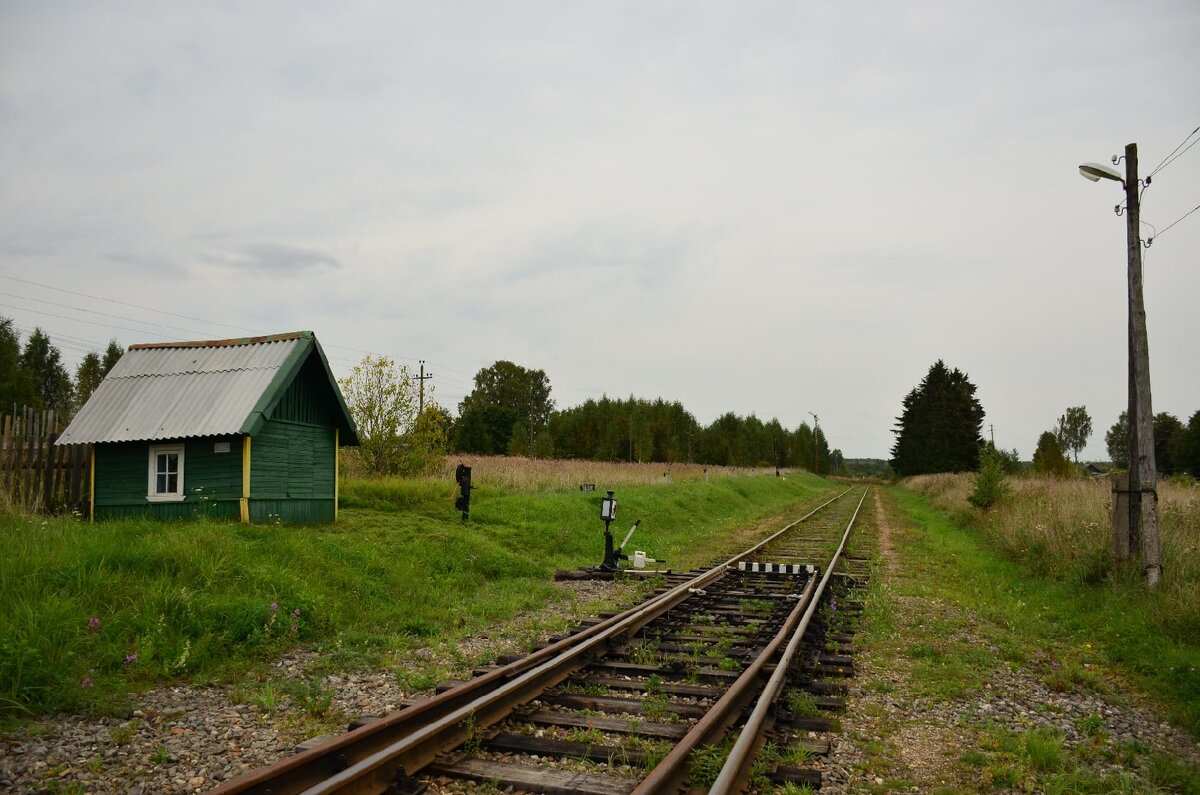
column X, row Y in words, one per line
column 708, row 684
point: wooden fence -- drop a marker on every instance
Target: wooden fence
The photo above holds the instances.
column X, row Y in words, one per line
column 36, row 474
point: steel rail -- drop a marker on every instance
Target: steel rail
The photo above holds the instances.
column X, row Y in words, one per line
column 369, row 758
column 735, row 772
column 670, row 773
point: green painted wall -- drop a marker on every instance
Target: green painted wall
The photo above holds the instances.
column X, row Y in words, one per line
column 292, row 473
column 308, row 399
column 212, row 481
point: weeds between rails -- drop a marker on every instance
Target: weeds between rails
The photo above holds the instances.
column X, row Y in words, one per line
column 412, row 739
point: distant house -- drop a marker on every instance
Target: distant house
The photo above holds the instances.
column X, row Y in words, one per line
column 245, row 429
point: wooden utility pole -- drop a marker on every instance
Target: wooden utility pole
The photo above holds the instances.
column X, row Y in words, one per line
column 816, row 444
column 421, row 389
column 1143, row 476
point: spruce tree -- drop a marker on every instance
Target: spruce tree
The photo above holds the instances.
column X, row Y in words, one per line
column 1048, row 458
column 939, row 428
column 88, row 377
column 16, row 383
column 50, row 379
column 111, row 354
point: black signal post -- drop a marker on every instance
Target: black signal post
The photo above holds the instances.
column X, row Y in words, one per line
column 462, row 476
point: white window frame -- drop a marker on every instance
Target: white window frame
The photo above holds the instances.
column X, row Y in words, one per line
column 152, row 481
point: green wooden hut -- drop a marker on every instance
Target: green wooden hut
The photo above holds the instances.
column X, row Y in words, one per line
column 245, row 429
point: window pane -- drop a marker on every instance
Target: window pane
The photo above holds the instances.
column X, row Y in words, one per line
column 166, row 473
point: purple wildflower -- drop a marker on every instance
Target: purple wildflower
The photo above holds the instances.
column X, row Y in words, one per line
column 93, row 624
column 87, row 682
column 296, row 612
column 274, row 606
column 130, row 659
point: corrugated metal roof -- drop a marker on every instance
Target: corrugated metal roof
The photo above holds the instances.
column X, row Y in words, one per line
column 174, row 392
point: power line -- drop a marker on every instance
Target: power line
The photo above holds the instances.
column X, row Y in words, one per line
column 1177, row 220
column 60, row 340
column 124, row 303
column 76, row 340
column 102, row 314
column 174, row 314
column 191, row 332
column 90, row 322
column 1181, row 154
column 1166, row 161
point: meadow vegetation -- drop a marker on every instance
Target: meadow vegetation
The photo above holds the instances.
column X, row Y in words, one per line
column 1059, row 531
column 953, row 627
column 92, row 612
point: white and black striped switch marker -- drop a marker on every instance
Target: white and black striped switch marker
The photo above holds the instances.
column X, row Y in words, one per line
column 777, row 568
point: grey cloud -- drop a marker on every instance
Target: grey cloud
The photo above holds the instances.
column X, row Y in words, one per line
column 13, row 246
column 273, row 258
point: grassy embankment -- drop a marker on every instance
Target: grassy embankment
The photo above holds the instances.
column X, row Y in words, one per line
column 1027, row 587
column 89, row 613
column 1059, row 532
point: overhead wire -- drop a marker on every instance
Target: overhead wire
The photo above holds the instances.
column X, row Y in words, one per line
column 1168, row 226
column 122, row 303
column 98, row 312
column 1172, row 157
column 201, row 334
column 61, row 340
column 91, row 322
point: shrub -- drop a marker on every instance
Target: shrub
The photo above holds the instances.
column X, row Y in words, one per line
column 990, row 483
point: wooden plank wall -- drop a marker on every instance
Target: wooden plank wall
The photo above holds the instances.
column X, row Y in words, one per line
column 36, row 474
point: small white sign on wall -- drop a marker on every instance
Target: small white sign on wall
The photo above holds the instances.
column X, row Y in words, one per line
column 220, row 447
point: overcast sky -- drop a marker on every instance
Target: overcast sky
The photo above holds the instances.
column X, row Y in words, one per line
column 768, row 208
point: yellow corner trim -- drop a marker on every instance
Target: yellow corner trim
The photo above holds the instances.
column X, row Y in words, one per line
column 245, row 501
column 336, row 473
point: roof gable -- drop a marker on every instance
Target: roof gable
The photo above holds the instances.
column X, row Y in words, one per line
column 205, row 388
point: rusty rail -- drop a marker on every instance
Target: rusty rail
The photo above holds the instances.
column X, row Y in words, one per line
column 672, row 771
column 735, row 772
column 368, row 759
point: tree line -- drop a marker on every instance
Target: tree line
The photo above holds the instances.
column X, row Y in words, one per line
column 33, row 374
column 510, row 411
column 941, row 422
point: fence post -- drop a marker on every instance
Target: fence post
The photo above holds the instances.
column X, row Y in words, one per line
column 48, row 474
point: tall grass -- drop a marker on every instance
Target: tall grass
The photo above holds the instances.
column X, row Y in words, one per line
column 1066, row 630
column 89, row 612
column 1062, row 529
column 539, row 474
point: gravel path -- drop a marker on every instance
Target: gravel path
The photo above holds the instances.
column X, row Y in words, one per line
column 186, row 739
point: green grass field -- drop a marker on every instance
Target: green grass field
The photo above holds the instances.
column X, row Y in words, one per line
column 958, row 609
column 1113, row 623
column 89, row 613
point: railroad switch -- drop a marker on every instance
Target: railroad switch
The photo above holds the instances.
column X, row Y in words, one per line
column 613, row 554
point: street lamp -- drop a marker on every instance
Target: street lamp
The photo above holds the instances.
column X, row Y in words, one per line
column 1143, row 477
